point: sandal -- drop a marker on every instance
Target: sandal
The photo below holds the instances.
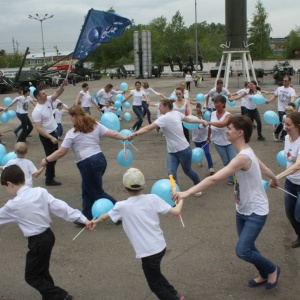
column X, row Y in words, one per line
column 230, row 183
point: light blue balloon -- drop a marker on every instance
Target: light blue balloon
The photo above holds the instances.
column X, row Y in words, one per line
column 162, row 188
column 7, row 157
column 173, row 96
column 126, row 105
column 297, row 102
column 32, row 89
column 128, row 133
column 117, row 104
column 191, row 126
column 127, row 116
column 2, row 152
column 281, row 158
column 200, row 98
column 265, row 184
column 231, row 103
column 111, row 121
column 96, row 98
column 197, row 154
column 101, row 207
column 7, row 101
column 11, row 114
column 118, row 111
column 122, row 160
column 227, row 100
column 4, row 118
column 123, row 86
column 258, row 99
column 207, row 115
column 271, row 117
column 119, row 97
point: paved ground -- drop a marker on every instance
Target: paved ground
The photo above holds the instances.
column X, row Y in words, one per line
column 200, row 259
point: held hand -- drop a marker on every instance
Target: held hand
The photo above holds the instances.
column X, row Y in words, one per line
column 65, row 82
column 43, row 162
column 204, row 122
column 89, row 225
column 179, row 196
column 93, row 225
column 131, row 137
column 54, row 140
column 124, row 137
column 274, row 183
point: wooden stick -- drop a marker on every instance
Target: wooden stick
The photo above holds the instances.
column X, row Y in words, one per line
column 286, row 192
column 81, row 231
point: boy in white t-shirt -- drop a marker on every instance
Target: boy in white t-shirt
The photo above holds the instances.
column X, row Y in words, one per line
column 139, row 216
column 58, row 113
column 27, row 166
column 108, row 107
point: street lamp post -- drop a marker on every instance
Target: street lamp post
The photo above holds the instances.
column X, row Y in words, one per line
column 196, row 35
column 38, row 18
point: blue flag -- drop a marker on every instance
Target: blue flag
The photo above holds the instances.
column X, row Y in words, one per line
column 99, row 27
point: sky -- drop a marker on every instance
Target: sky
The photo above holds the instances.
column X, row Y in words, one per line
column 63, row 29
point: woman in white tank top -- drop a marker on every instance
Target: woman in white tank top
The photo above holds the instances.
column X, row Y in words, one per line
column 251, row 200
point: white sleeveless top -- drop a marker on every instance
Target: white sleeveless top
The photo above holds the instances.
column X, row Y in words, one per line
column 218, row 135
column 252, row 196
column 180, row 109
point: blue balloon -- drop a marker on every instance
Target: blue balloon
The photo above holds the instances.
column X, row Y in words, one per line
column 173, row 96
column 127, row 116
column 128, row 133
column 118, row 104
column 7, row 157
column 197, row 154
column 265, row 184
column 118, row 111
column 11, row 114
column 162, row 188
column 111, row 121
column 4, row 117
column 7, row 101
column 297, row 102
column 191, row 126
column 32, row 89
column 96, row 98
column 281, row 158
column 200, row 98
column 123, row 160
column 119, row 97
column 227, row 100
column 271, row 117
column 126, row 104
column 123, row 86
column 207, row 115
column 2, row 152
column 101, row 207
column 258, row 99
column 231, row 103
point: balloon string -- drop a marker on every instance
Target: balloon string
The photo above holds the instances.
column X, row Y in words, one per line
column 130, row 143
column 125, row 152
column 81, row 231
column 286, row 192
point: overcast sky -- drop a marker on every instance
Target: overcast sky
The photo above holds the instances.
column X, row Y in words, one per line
column 63, row 29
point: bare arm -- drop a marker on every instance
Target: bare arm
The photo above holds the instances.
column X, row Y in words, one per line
column 41, row 131
column 115, row 135
column 38, row 172
column 55, row 156
column 143, row 130
column 219, row 124
column 237, row 97
column 59, row 91
column 291, row 170
column 206, row 100
column 78, row 99
column 175, row 211
column 271, row 99
column 101, row 219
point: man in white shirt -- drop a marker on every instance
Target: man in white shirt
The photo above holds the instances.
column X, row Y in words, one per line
column 218, row 90
column 46, row 125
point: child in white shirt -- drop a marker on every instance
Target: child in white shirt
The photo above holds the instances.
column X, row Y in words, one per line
column 108, row 107
column 58, row 113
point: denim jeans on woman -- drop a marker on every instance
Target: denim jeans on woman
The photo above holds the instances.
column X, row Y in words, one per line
column 253, row 114
column 137, row 109
column 184, row 158
column 158, row 284
column 227, row 153
column 249, row 228
column 92, row 170
column 205, row 146
column 292, row 205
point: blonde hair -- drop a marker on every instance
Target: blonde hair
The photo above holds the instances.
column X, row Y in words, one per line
column 83, row 122
column 21, row 148
column 289, row 109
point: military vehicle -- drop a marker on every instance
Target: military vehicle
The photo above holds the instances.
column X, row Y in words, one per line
column 282, row 69
column 85, row 72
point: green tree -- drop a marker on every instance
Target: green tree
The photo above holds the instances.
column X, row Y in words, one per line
column 292, row 43
column 259, row 33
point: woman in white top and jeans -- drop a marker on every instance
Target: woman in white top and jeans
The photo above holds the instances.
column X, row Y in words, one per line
column 106, row 93
column 251, row 208
column 84, row 99
column 84, row 140
column 138, row 96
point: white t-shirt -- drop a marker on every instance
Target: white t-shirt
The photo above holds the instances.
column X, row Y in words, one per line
column 219, row 134
column 213, row 92
column 284, row 96
column 27, row 167
column 23, row 104
column 188, row 78
column 252, row 196
column 173, row 131
column 291, row 152
column 58, row 114
column 54, row 104
column 243, row 100
column 200, row 134
column 248, row 100
column 140, row 220
column 107, row 109
column 150, row 90
column 138, row 97
column 103, row 96
column 86, row 99
column 43, row 113
column 82, row 144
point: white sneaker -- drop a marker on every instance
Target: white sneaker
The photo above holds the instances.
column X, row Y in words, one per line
column 211, row 171
column 132, row 130
column 276, row 138
column 199, row 194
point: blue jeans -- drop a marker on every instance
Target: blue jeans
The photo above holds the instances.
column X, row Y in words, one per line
column 184, row 158
column 292, row 205
column 158, row 284
column 92, row 170
column 206, row 152
column 280, row 125
column 139, row 113
column 227, row 153
column 59, row 130
column 253, row 114
column 249, row 228
column 87, row 110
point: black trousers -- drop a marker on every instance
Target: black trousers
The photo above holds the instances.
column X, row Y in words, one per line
column 49, row 148
column 26, row 127
column 37, row 272
column 158, row 284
